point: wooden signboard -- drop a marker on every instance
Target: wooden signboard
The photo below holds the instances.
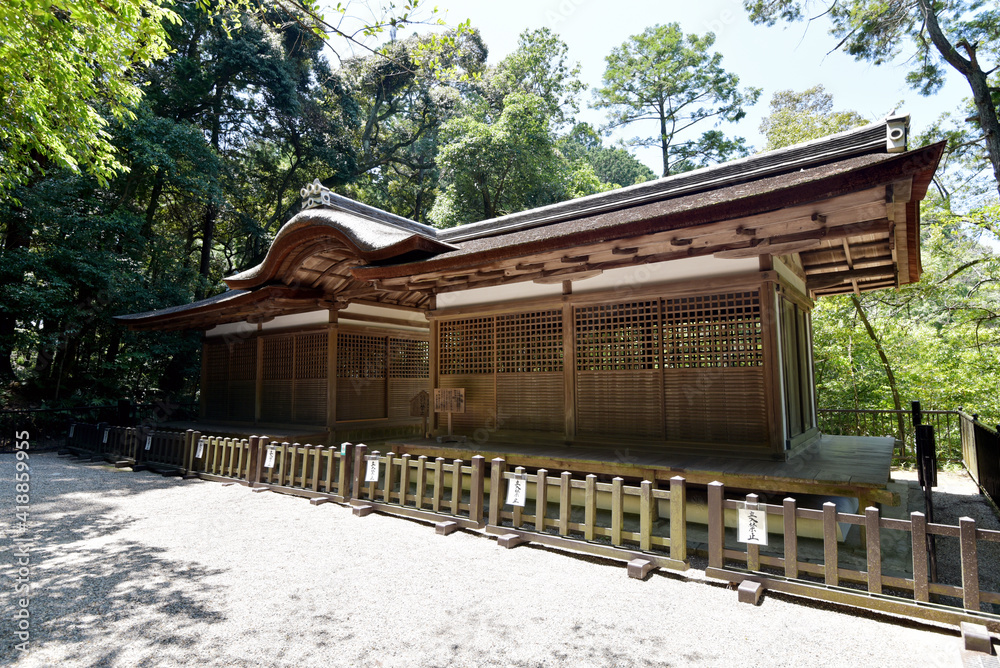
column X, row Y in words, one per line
column 449, row 399
column 420, row 405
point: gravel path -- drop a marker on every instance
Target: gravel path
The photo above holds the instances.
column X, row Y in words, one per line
column 134, row 569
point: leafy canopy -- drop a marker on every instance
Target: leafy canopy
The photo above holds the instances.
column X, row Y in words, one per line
column 798, row 117
column 661, row 75
column 64, row 68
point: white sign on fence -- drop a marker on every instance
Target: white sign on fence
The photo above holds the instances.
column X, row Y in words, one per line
column 752, row 526
column 269, row 459
column 343, row 447
column 106, row 435
column 201, row 449
column 517, row 489
column 71, row 428
column 371, row 468
column 149, row 442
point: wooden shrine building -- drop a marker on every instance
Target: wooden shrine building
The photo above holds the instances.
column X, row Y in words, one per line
column 669, row 318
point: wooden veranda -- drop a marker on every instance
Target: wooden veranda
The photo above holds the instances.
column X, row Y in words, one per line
column 848, row 466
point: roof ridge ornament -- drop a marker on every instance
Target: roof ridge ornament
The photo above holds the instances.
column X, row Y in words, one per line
column 316, row 194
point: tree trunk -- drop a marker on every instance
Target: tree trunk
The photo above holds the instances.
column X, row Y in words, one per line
column 978, row 82
column 890, row 376
column 664, row 146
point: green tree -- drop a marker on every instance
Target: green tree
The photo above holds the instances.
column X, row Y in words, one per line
column 797, row 117
column 675, row 80
column 613, row 165
column 957, row 34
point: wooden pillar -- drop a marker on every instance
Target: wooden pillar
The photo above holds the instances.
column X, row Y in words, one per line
column 569, row 370
column 203, row 397
column 259, row 384
column 331, row 377
column 770, row 332
column 433, row 352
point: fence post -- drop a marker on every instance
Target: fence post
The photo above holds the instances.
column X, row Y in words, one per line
column 874, row 550
column 253, row 460
column 646, row 516
column 475, row 489
column 831, row 563
column 357, row 480
column 344, row 478
column 188, row 456
column 678, row 518
column 498, row 467
column 791, row 538
column 970, row 564
column 716, row 525
column 617, row 510
column 753, row 549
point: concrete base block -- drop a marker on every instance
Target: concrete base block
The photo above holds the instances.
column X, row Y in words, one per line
column 260, row 489
column 639, row 568
column 190, row 476
column 139, row 467
column 510, row 540
column 750, row 592
column 976, row 638
column 362, row 511
column 320, row 500
column 446, row 528
column 228, row 484
column 121, row 464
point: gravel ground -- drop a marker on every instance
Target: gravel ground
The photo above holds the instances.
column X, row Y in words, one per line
column 133, row 569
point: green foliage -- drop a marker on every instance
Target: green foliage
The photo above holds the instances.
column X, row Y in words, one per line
column 65, row 68
column 931, row 37
column 798, row 117
column 613, row 165
column 663, row 76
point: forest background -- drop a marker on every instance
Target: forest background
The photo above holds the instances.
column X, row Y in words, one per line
column 151, row 148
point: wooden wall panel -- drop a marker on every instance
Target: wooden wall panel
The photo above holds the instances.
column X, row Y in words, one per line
column 310, row 384
column 618, row 384
column 361, row 376
column 531, row 401
column 276, row 386
column 720, row 405
column 401, row 391
column 480, row 403
column 627, row 403
column 216, row 386
column 242, row 380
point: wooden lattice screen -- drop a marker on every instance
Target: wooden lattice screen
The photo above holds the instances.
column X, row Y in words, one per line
column 242, row 380
column 409, row 371
column 618, row 384
column 310, row 383
column 294, row 377
column 466, row 354
column 215, row 389
column 361, row 376
column 713, row 373
column 529, row 365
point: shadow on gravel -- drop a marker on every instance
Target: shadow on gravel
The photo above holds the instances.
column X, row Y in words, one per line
column 84, row 581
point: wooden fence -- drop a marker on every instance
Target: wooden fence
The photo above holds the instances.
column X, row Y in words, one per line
column 898, row 424
column 639, row 524
column 789, row 573
column 605, row 538
column 981, row 454
column 421, row 488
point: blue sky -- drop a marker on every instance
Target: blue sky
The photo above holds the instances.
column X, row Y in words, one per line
column 784, row 57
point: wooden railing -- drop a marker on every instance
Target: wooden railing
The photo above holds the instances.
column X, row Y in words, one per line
column 914, row 593
column 618, row 521
column 421, row 488
column 596, row 531
column 981, row 454
column 899, row 425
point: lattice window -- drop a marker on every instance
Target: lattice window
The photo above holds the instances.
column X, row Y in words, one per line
column 721, row 330
column 311, row 355
column 466, row 346
column 361, row 356
column 216, row 363
column 617, row 337
column 409, row 358
column 530, row 342
column 243, row 361
column 277, row 357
